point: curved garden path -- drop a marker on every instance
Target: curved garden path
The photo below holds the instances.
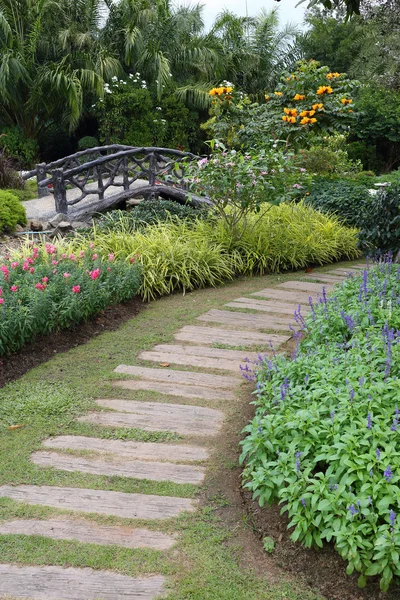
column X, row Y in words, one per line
column 203, row 365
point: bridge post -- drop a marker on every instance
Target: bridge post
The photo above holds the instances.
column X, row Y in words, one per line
column 60, row 191
column 125, row 173
column 153, row 164
column 40, row 176
column 100, row 182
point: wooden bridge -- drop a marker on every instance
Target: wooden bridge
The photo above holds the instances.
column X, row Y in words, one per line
column 99, row 178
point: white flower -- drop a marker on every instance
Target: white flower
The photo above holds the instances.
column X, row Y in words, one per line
column 108, row 91
column 135, row 81
column 163, row 121
column 144, row 86
column 121, row 81
column 130, row 75
column 114, row 78
column 137, row 74
column 158, row 108
column 143, row 81
column 170, row 74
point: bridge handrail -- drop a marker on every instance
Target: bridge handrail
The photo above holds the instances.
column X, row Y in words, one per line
column 122, row 154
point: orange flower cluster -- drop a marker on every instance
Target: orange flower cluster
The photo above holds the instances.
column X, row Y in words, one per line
column 278, row 93
column 318, row 106
column 332, row 75
column 307, row 113
column 267, row 97
column 219, row 91
column 292, row 112
column 306, row 121
column 299, row 97
column 345, row 101
column 324, row 89
column 289, row 119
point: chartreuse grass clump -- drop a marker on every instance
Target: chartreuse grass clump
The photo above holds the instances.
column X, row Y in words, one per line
column 325, row 440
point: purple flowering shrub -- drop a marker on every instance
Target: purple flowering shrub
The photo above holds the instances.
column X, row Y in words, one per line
column 325, row 440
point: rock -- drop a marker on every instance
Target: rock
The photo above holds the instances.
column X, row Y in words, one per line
column 397, row 258
column 65, row 225
column 59, row 218
column 35, row 225
column 134, row 201
column 19, row 228
column 46, row 225
column 80, row 225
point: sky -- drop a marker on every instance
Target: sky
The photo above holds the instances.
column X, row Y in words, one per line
column 288, row 12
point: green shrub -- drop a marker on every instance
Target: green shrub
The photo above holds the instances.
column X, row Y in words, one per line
column 146, row 213
column 47, row 290
column 377, row 216
column 325, row 438
column 22, row 150
column 88, row 142
column 28, row 192
column 11, row 211
column 328, row 155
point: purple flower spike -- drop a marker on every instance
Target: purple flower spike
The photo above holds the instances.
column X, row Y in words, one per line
column 388, row 474
column 298, row 464
column 378, row 454
column 352, row 510
column 392, row 517
column 369, row 421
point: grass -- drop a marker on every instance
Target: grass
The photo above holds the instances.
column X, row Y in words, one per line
column 207, row 563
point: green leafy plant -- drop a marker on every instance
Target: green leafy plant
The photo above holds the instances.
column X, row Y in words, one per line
column 12, row 211
column 21, row 149
column 328, row 155
column 324, row 440
column 241, row 184
column 87, row 142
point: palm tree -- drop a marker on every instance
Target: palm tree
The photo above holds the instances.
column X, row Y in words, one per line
column 50, row 56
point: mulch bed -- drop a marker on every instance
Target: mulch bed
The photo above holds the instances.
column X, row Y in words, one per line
column 44, row 347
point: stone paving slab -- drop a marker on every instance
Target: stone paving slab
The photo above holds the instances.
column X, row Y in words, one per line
column 129, row 449
column 117, row 504
column 326, row 278
column 121, row 467
column 206, row 351
column 245, row 320
column 203, row 362
column 89, row 532
column 344, row 272
column 305, row 286
column 229, row 337
column 157, row 416
column 57, row 583
column 184, row 377
column 170, row 389
column 286, row 296
column 267, row 306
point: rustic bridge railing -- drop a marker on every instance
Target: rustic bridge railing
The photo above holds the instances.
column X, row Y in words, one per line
column 115, row 173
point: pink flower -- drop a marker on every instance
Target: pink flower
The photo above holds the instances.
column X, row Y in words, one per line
column 25, row 266
column 72, row 257
column 14, row 288
column 35, row 252
column 1, row 300
column 31, row 270
column 45, row 279
column 6, row 272
column 91, row 245
column 1, row 291
column 108, row 268
column 94, row 256
column 54, row 271
column 40, row 286
column 111, row 257
column 66, row 275
column 94, row 274
column 54, row 262
column 63, row 256
column 297, row 186
column 50, row 249
column 302, row 170
column 14, row 265
column 81, row 254
column 76, row 289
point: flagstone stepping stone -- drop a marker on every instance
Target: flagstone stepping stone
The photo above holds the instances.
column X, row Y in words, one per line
column 185, row 377
column 305, row 286
column 129, row 449
column 57, row 583
column 326, row 278
column 170, row 389
column 121, row 467
column 117, row 504
column 193, row 361
column 157, row 416
column 245, row 320
column 229, row 337
column 89, row 532
column 205, row 351
column 267, row 306
column 285, row 295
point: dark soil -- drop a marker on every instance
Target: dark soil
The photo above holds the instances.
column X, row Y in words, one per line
column 44, row 347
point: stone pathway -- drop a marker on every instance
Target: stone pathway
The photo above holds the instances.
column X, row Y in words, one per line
column 216, row 376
